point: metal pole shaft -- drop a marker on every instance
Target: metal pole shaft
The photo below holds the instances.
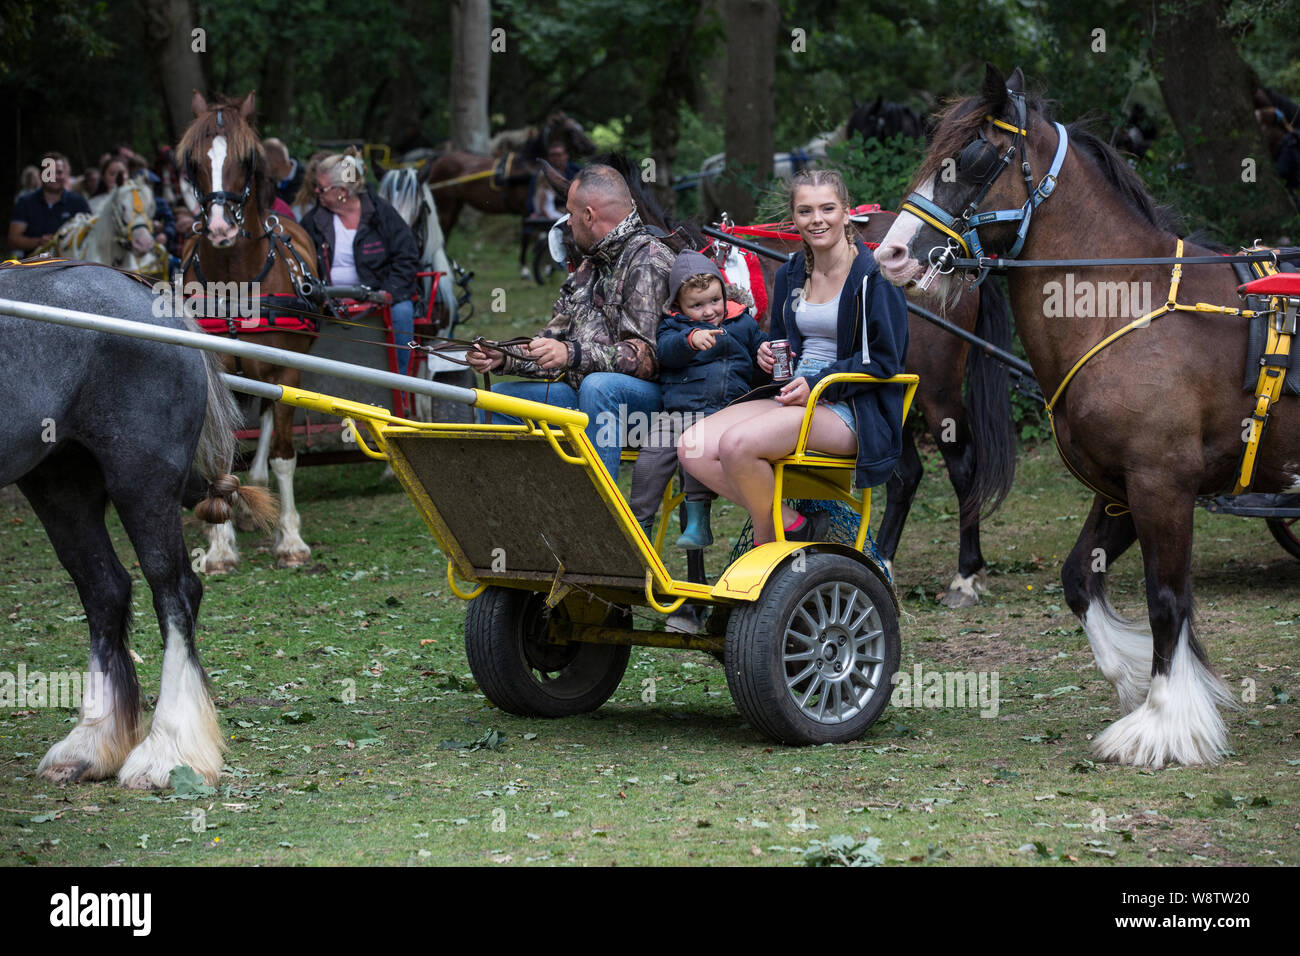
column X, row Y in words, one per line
column 224, row 344
column 748, row 245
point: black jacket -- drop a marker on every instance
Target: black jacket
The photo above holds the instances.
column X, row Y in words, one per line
column 871, row 338
column 706, row 380
column 385, row 251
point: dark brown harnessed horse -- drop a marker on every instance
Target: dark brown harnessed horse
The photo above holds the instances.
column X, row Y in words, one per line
column 1149, row 420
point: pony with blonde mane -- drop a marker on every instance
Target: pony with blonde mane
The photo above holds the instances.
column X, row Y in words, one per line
column 121, row 235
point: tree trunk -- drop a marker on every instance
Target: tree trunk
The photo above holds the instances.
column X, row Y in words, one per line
column 1208, row 90
column 405, row 121
column 751, row 64
column 471, row 28
column 710, row 24
column 275, row 98
column 169, row 28
column 676, row 87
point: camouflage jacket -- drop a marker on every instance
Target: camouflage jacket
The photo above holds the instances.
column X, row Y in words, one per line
column 609, row 309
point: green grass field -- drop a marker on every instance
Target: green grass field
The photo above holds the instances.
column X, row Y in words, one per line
column 417, row 768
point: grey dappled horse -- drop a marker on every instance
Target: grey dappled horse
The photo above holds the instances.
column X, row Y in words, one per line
column 92, row 418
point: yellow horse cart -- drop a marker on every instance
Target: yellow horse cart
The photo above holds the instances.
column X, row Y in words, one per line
column 545, row 549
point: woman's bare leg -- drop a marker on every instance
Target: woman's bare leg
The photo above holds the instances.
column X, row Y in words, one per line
column 697, row 449
column 731, row 452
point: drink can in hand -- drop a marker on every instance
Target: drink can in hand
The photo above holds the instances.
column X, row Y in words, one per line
column 782, row 370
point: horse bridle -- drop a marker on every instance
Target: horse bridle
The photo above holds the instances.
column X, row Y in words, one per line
column 234, row 202
column 141, row 219
column 980, row 156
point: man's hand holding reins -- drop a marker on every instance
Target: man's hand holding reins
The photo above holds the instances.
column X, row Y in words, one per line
column 549, row 354
column 483, row 359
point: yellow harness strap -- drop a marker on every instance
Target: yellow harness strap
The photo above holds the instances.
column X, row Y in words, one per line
column 1268, row 388
column 1117, row 506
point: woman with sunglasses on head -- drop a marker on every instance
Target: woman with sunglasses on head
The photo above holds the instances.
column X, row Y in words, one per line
column 361, row 240
column 839, row 315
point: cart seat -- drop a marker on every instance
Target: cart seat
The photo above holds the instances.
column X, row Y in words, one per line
column 1284, row 283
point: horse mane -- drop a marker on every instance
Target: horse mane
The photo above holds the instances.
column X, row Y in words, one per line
column 401, row 188
column 956, row 125
column 1120, row 175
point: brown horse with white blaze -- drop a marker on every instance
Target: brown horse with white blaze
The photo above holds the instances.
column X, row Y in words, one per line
column 222, row 162
column 1150, row 442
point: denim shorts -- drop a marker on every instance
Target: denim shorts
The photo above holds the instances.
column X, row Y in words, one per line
column 843, row 409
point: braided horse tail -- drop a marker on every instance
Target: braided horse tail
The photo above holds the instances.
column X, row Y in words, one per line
column 216, row 452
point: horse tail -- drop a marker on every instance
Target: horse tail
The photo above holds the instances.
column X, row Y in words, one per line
column 215, row 454
column 988, row 404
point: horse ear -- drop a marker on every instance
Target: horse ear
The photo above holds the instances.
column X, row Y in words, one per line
column 1016, row 81
column 1262, row 102
column 249, row 106
column 198, row 104
column 995, row 89
column 880, row 101
column 559, row 182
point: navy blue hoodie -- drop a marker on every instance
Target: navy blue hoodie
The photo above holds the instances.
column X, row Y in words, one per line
column 873, row 311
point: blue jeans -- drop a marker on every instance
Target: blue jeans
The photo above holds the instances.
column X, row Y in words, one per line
column 615, row 404
column 403, row 330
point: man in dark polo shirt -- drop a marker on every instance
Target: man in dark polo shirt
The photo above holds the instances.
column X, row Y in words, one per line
column 39, row 213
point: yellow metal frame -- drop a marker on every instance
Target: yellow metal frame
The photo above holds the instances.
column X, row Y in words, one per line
column 802, row 474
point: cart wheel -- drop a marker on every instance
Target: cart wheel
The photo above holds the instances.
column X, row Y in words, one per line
column 518, row 671
column 1284, row 530
column 812, row 660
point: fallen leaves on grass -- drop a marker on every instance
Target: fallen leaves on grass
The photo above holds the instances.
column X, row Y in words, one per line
column 843, row 850
column 492, row 740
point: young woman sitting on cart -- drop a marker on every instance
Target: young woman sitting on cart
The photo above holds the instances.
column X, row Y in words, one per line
column 839, row 315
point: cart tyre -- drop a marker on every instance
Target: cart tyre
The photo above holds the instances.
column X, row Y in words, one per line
column 833, row 610
column 1285, row 532
column 520, row 673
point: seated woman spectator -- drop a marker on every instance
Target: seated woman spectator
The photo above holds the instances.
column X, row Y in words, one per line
column 28, row 181
column 112, row 173
column 361, row 240
column 114, row 170
column 88, row 182
column 839, row 315
column 306, row 197
column 184, row 221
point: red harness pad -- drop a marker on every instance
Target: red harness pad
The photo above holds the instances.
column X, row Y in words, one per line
column 271, row 315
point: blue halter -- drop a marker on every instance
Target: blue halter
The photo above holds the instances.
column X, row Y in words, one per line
column 963, row 230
